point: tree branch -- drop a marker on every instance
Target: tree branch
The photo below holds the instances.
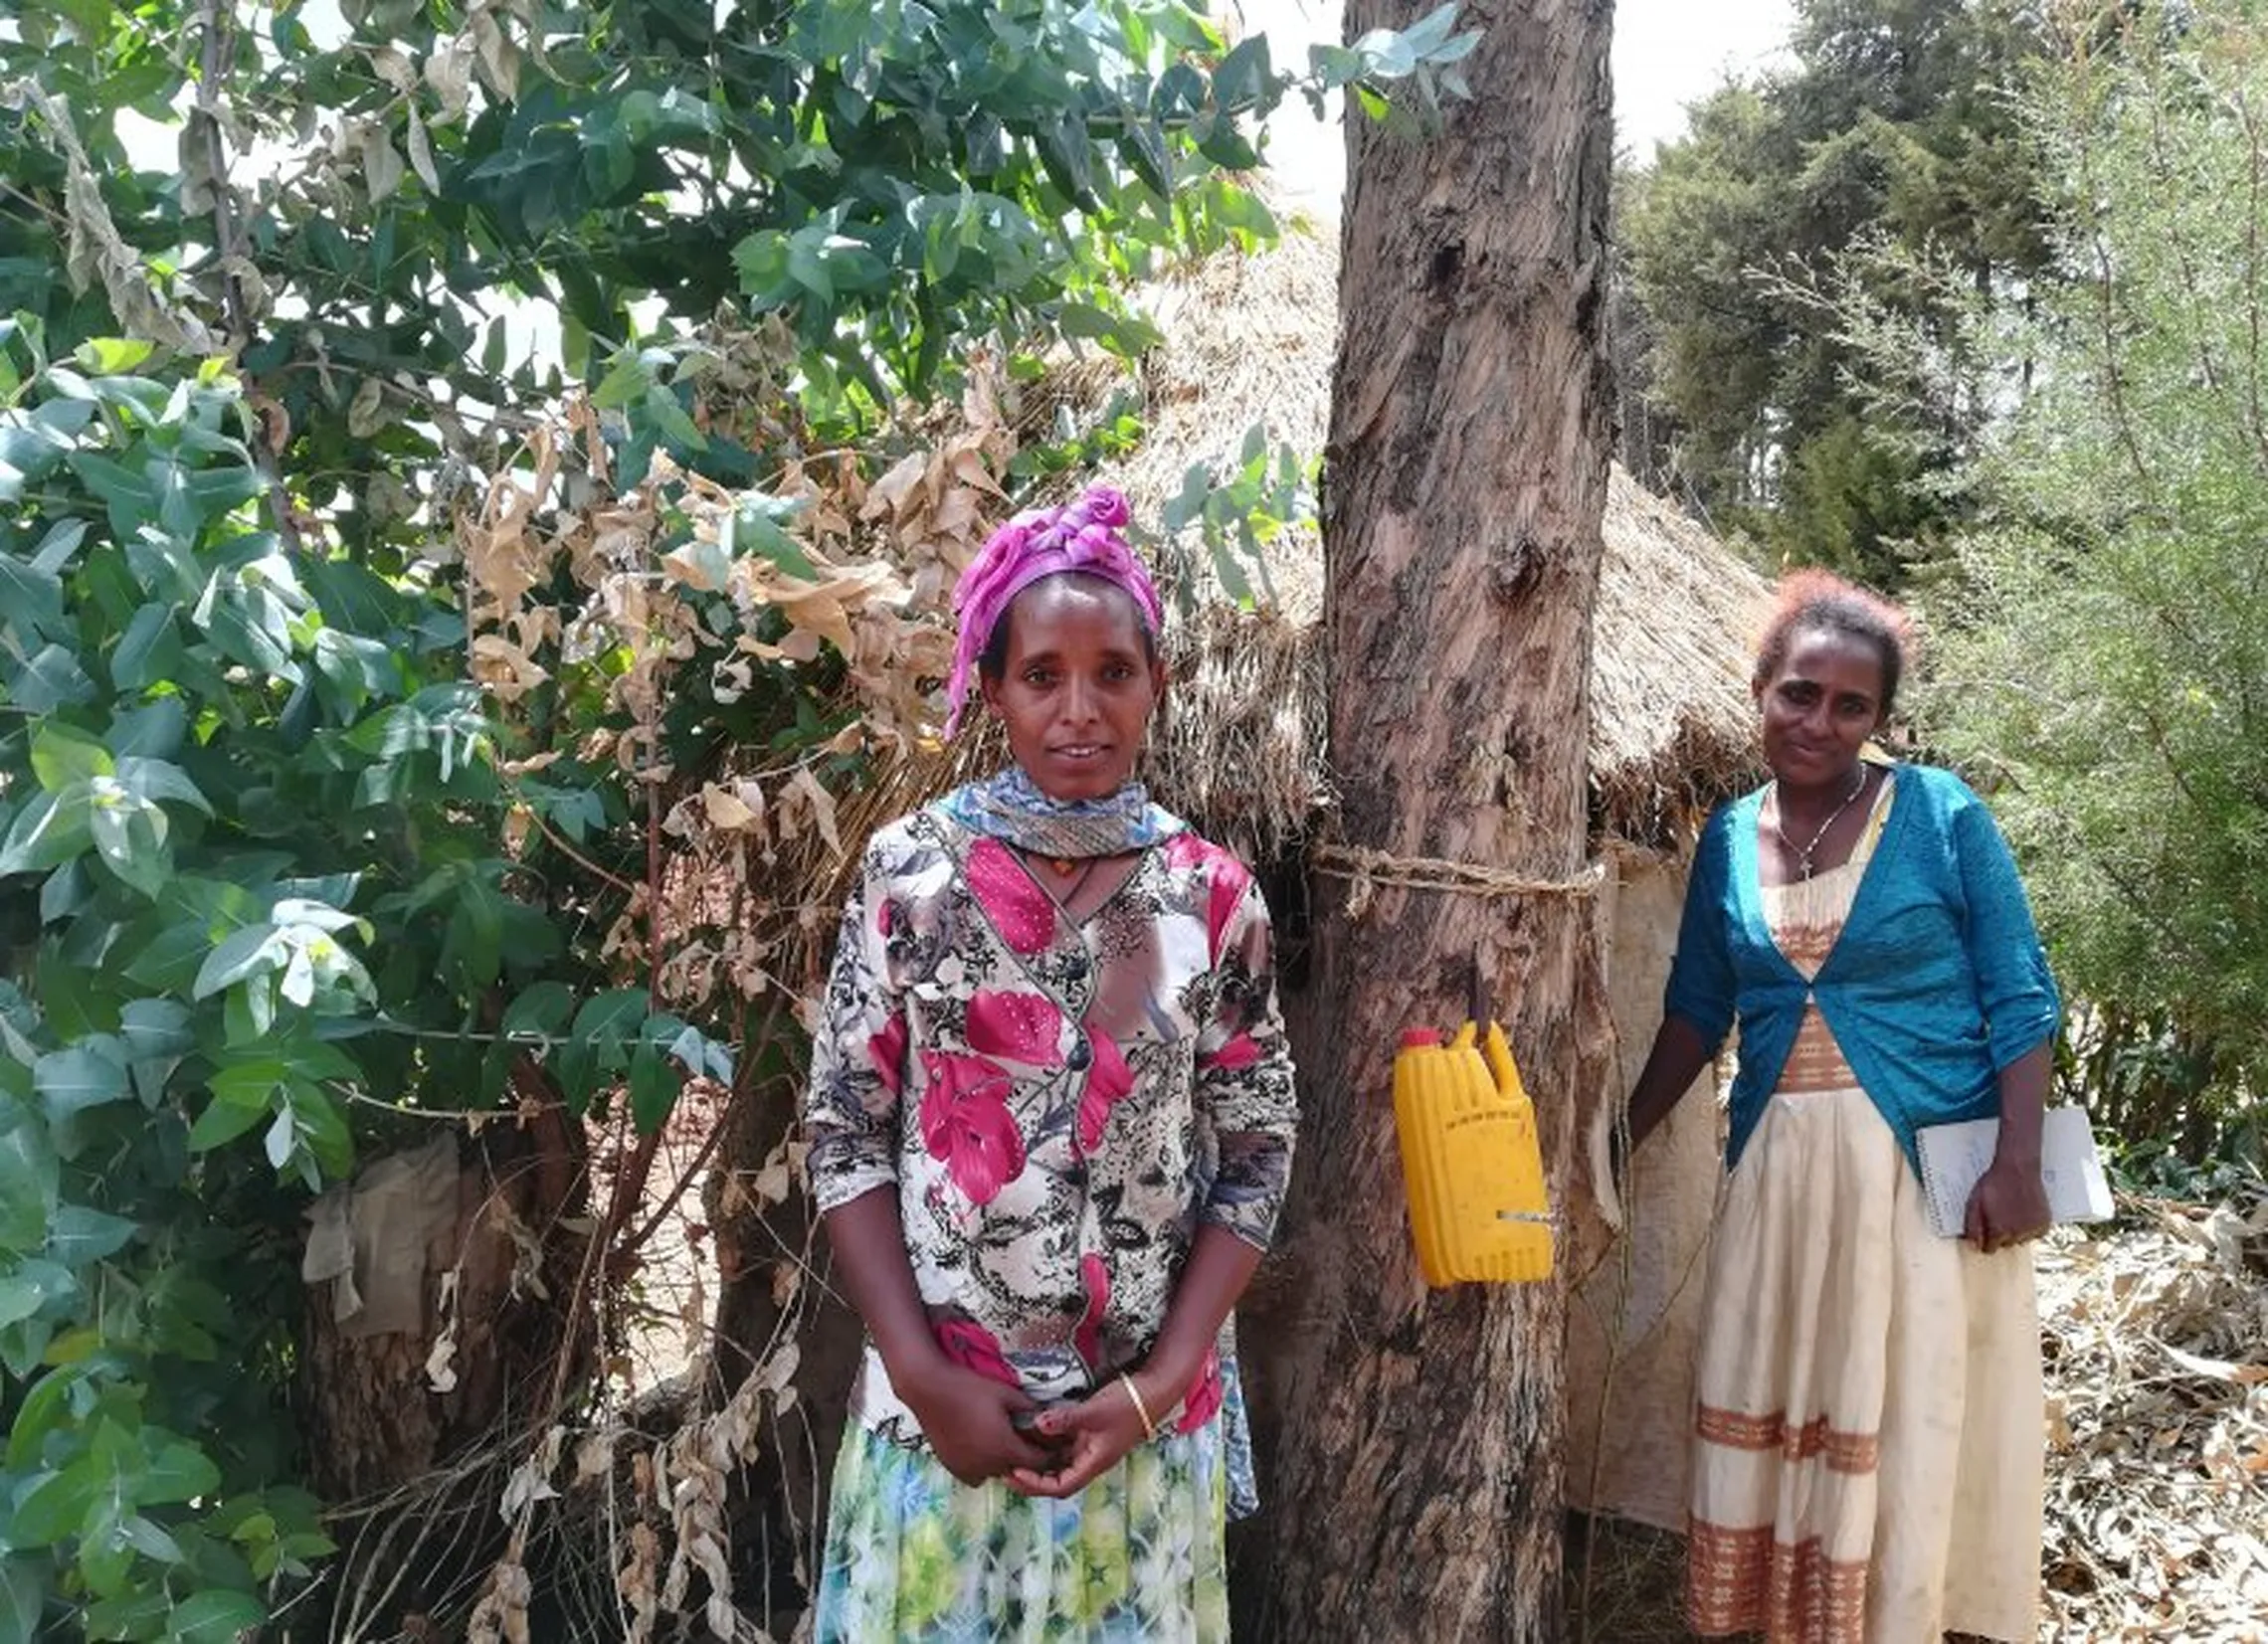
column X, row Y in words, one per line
column 215, row 58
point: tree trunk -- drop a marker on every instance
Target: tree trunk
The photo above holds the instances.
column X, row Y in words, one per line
column 457, row 1306
column 776, row 1289
column 433, row 1258
column 1417, row 1489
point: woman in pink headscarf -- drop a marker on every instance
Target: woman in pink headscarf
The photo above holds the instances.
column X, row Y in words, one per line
column 1051, row 1121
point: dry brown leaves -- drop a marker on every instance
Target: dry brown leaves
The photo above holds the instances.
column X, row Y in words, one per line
column 2157, row 1339
column 672, row 576
column 501, row 1616
column 868, row 575
column 97, row 254
column 672, row 1535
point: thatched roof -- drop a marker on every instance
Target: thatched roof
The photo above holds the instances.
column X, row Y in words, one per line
column 1673, row 636
column 1242, row 749
column 1251, row 339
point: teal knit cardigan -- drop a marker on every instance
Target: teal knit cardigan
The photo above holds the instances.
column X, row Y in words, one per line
column 1936, row 983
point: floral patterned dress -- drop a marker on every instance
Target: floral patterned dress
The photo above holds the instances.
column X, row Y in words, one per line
column 1058, row 1104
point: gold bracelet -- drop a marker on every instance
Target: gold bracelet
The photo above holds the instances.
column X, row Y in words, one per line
column 1149, row 1428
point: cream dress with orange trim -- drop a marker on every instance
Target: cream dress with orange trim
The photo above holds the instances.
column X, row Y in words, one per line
column 1869, row 1431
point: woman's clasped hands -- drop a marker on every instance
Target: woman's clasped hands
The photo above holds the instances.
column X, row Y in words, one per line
column 1092, row 1438
column 981, row 1428
column 984, row 1430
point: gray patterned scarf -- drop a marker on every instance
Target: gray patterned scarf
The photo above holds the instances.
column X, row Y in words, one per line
column 1011, row 808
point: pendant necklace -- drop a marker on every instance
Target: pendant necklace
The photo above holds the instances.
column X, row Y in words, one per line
column 1073, row 868
column 1804, row 856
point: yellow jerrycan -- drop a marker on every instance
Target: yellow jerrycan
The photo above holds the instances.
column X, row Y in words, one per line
column 1470, row 1159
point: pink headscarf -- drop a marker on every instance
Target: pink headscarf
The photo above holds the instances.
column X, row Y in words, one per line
column 1080, row 536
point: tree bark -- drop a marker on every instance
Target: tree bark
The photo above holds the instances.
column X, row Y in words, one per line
column 776, row 1286
column 1418, row 1487
column 372, row 1419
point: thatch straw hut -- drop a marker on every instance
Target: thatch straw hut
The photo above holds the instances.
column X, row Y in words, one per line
column 1250, row 339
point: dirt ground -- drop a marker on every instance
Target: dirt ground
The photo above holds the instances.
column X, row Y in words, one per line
column 1624, row 1582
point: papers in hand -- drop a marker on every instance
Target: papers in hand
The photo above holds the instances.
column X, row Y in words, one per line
column 1953, row 1157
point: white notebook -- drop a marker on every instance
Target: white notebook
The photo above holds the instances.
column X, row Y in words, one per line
column 1955, row 1156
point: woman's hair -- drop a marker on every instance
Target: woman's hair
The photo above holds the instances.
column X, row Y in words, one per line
column 992, row 662
column 1812, row 601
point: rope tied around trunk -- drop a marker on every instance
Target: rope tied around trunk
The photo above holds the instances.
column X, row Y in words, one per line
column 1368, row 869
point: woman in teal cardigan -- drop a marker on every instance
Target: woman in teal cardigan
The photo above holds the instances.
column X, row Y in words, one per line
column 1869, row 1425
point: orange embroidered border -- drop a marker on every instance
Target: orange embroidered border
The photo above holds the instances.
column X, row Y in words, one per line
column 1742, row 1580
column 1809, row 941
column 1727, row 1578
column 1739, row 1430
column 1844, row 1452
column 1814, row 1061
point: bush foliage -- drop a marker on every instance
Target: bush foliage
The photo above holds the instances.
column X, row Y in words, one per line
column 379, row 682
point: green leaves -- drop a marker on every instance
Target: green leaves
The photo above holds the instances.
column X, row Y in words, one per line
column 156, row 1034
column 87, row 1074
column 51, row 830
column 280, row 868
column 116, row 805
column 1245, row 75
column 2102, row 628
column 214, row 1616
column 876, row 241
column 31, row 602
column 1794, row 203
column 31, row 1178
column 27, row 1287
column 35, row 442
column 1269, row 489
column 615, row 1036
column 305, row 1134
column 174, row 805
column 96, row 1498
column 757, row 525
column 22, row 1598
column 176, row 1471
column 541, row 1014
column 1123, row 334
column 243, row 1094
column 249, row 626
column 63, row 755
column 78, row 1235
column 112, row 356
column 293, row 956
column 51, row 680
column 441, row 723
